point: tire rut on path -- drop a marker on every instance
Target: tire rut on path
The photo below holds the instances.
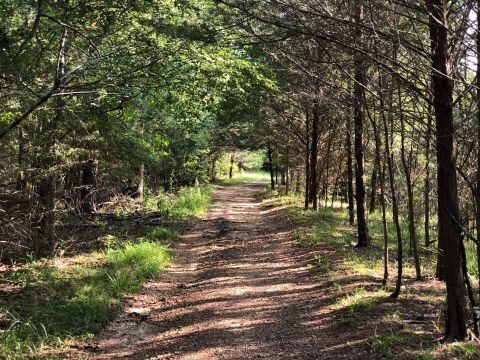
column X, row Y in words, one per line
column 239, row 288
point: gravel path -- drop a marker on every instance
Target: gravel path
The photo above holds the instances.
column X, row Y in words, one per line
column 239, row 288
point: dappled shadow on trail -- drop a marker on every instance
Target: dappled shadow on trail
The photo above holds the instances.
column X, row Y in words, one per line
column 239, row 288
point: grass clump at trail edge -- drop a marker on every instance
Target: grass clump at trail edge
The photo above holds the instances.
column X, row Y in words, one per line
column 189, row 201
column 60, row 304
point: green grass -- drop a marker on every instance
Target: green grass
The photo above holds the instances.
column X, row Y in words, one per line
column 247, row 177
column 354, row 305
column 466, row 351
column 58, row 305
column 189, row 201
column 384, row 345
column 362, row 270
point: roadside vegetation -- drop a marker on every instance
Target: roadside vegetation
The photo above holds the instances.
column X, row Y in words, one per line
column 406, row 328
column 51, row 304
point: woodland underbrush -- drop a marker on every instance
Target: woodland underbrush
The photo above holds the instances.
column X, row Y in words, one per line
column 409, row 327
column 48, row 305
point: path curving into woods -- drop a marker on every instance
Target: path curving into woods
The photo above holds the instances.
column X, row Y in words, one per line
column 239, row 288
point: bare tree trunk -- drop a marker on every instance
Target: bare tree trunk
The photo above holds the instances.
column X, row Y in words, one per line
column 391, row 177
column 307, row 159
column 373, row 184
column 48, row 185
column 359, row 117
column 427, row 180
column 287, row 170
column 21, row 179
column 232, row 160
column 477, row 197
column 448, row 212
column 351, row 200
column 408, row 177
column 270, row 167
column 384, row 224
column 313, row 158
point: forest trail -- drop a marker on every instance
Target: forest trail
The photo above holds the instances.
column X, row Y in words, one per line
column 239, row 288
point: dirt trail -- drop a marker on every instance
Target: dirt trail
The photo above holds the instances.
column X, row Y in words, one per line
column 239, row 288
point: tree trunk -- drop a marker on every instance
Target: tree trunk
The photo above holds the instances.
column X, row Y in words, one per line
column 408, row 178
column 307, row 159
column 427, row 180
column 45, row 243
column 384, row 223
column 232, row 160
column 21, row 179
column 448, row 212
column 359, row 117
column 314, row 158
column 270, row 167
column 373, row 184
column 477, row 197
column 391, row 177
column 351, row 203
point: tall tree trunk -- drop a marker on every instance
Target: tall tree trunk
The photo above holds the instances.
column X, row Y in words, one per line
column 359, row 117
column 213, row 177
column 384, row 223
column 314, row 157
column 232, row 160
column 477, row 197
column 287, row 170
column 391, row 177
column 351, row 200
column 406, row 163
column 427, row 180
column 21, row 179
column 48, row 185
column 307, row 159
column 270, row 167
column 448, row 212
column 373, row 184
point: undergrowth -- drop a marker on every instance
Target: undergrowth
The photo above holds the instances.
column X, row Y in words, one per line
column 357, row 275
column 188, row 201
column 59, row 304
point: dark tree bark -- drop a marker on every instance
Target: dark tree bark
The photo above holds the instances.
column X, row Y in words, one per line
column 232, row 160
column 47, row 188
column 314, row 157
column 270, row 167
column 351, row 200
column 373, row 183
column 477, row 193
column 448, row 212
column 307, row 159
column 21, row 179
column 427, row 180
column 393, row 192
column 359, row 119
column 406, row 163
column 384, row 224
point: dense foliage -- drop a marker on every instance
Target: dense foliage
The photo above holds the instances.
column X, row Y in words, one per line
column 373, row 103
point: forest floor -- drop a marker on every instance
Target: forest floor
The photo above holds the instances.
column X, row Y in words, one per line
column 242, row 286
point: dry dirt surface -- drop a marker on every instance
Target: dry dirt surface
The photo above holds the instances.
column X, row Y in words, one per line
column 239, row 288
